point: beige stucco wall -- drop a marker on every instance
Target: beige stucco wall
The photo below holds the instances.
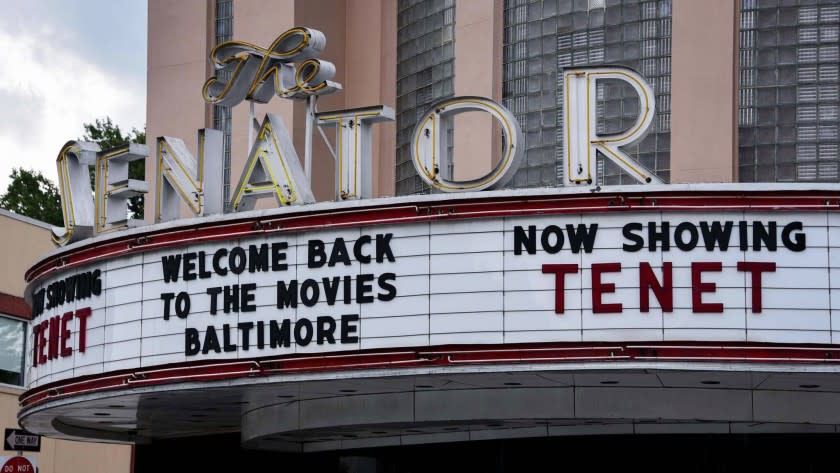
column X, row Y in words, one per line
column 478, row 71
column 703, row 91
column 371, row 78
column 18, row 258
column 330, row 17
column 176, row 71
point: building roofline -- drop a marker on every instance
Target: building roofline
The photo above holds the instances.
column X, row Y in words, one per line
column 14, row 306
column 25, row 219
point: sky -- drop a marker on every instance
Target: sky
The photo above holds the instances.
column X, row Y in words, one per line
column 66, row 63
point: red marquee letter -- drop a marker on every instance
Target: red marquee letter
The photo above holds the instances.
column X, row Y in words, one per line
column 36, row 329
column 756, row 269
column 698, row 287
column 65, row 334
column 599, row 288
column 559, row 271
column 82, row 314
column 42, row 341
column 52, row 348
column 664, row 292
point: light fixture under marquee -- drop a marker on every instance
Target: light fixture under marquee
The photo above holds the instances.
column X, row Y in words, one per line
column 290, row 68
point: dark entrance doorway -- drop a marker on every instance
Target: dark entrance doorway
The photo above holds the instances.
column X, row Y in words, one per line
column 650, row 453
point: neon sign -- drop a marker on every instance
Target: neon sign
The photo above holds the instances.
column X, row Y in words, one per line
column 290, row 68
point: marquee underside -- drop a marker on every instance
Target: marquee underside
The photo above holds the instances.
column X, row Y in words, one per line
column 311, row 412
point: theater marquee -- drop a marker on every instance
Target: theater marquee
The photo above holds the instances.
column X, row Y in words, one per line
column 522, row 275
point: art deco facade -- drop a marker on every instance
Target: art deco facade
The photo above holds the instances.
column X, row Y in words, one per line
column 745, row 91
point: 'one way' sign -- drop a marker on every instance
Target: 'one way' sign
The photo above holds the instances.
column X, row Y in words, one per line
column 21, row 440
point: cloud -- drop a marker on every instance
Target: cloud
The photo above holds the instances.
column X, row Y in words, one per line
column 27, row 109
column 48, row 90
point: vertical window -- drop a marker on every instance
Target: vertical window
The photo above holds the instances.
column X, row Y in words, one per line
column 788, row 96
column 544, row 37
column 221, row 115
column 425, row 73
column 12, row 336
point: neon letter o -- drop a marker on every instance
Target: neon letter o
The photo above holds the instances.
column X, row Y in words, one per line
column 429, row 147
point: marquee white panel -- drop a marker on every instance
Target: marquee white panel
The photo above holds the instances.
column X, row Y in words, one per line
column 460, row 282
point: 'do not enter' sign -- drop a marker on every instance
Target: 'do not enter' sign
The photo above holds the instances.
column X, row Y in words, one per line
column 18, row 464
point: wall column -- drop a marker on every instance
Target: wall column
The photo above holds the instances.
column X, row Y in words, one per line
column 478, row 71
column 704, row 87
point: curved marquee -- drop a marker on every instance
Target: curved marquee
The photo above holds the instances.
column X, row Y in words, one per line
column 521, row 278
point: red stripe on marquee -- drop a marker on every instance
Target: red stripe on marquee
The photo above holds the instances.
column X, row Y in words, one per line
column 670, row 201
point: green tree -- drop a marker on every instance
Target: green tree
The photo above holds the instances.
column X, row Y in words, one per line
column 33, row 195
column 108, row 136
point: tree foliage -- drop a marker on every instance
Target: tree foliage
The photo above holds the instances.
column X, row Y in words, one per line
column 108, row 136
column 33, row 195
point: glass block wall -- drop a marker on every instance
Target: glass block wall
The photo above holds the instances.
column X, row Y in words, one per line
column 788, row 96
column 542, row 37
column 425, row 73
column 221, row 115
